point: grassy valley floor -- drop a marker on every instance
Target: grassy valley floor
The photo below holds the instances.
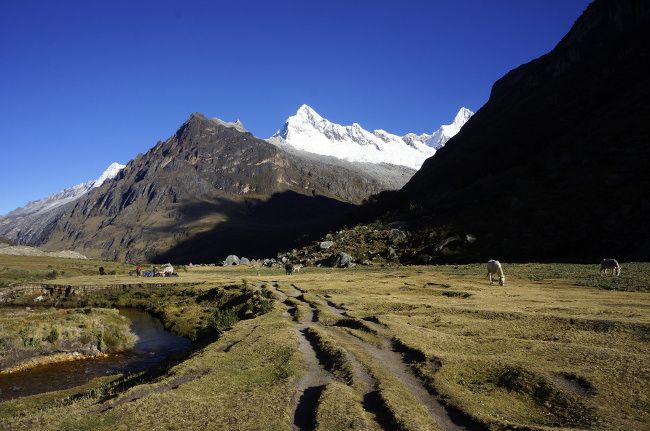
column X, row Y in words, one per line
column 410, row 348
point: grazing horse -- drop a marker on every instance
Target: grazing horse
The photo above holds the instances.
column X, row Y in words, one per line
column 494, row 267
column 289, row 268
column 612, row 264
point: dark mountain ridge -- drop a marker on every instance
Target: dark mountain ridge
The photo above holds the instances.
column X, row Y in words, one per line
column 555, row 165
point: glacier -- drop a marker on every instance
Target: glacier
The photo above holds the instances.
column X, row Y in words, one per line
column 308, row 131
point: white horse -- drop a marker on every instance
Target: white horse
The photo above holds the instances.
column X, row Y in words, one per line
column 494, row 267
column 612, row 264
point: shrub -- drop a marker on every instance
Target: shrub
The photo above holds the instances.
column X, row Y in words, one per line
column 52, row 336
column 27, row 339
column 102, row 271
column 114, row 339
column 223, row 319
column 265, row 306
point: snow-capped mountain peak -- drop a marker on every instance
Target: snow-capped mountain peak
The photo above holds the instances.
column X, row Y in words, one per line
column 307, row 112
column 110, row 173
column 309, row 131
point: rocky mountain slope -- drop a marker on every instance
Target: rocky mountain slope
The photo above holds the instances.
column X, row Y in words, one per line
column 25, row 250
column 307, row 131
column 555, row 165
column 26, row 224
column 209, row 190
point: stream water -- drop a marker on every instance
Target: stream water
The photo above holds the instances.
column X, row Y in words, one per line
column 154, row 344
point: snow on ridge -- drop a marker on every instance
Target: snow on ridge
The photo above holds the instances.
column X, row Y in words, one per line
column 67, row 195
column 110, row 173
column 309, row 131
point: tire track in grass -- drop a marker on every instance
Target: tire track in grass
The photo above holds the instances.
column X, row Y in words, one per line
column 312, row 384
column 393, row 362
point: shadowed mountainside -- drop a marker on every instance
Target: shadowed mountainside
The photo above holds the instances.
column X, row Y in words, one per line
column 196, row 195
column 555, row 165
column 260, row 230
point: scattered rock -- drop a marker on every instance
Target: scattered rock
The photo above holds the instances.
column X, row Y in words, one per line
column 341, row 260
column 445, row 242
column 325, row 245
column 396, row 236
column 399, row 224
column 24, row 250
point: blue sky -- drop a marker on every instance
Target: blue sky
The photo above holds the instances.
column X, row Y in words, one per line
column 85, row 83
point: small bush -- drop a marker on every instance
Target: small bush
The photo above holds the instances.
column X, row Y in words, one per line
column 52, row 336
column 115, row 339
column 265, row 306
column 223, row 319
column 102, row 271
column 27, row 339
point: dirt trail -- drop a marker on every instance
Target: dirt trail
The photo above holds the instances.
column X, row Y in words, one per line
column 313, row 382
column 310, row 386
column 274, row 288
column 393, row 361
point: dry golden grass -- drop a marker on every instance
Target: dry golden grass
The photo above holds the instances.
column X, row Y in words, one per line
column 339, row 409
column 556, row 348
column 538, row 352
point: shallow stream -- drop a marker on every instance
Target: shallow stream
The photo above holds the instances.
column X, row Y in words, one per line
column 154, row 344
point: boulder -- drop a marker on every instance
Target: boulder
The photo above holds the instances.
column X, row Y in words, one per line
column 392, row 255
column 244, row 261
column 445, row 242
column 395, row 236
column 325, row 245
column 341, row 260
column 231, row 260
